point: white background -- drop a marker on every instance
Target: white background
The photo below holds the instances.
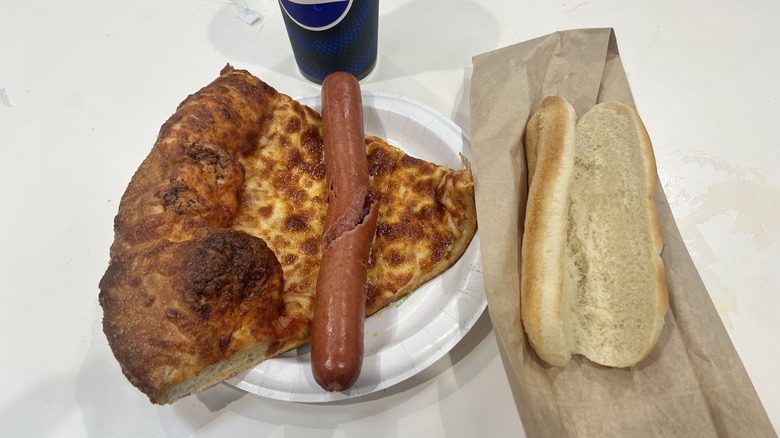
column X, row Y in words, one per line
column 86, row 85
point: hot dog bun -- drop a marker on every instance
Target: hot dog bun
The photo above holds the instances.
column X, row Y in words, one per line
column 593, row 282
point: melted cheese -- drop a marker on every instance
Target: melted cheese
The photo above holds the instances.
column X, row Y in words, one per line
column 425, row 221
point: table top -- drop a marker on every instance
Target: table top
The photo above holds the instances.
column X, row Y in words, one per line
column 85, row 86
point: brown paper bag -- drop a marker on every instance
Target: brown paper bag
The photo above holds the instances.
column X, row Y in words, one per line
column 693, row 383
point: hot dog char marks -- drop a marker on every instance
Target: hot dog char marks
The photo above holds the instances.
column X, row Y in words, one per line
column 350, row 224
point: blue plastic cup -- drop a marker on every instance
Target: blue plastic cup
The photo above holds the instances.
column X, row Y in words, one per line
column 329, row 36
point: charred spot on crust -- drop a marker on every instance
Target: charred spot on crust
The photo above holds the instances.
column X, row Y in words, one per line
column 212, row 161
column 204, row 182
column 179, row 197
column 203, row 166
column 230, row 267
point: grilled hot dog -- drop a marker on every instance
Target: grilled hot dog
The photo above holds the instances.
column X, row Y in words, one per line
column 350, row 224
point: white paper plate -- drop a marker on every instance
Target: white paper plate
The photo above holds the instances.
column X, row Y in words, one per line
column 408, row 336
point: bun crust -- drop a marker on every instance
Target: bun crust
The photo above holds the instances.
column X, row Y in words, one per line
column 550, row 138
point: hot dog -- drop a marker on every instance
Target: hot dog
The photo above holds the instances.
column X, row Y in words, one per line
column 350, row 224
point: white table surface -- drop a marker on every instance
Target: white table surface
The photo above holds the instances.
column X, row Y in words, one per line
column 85, row 86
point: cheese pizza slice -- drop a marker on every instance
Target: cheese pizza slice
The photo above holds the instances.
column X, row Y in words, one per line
column 216, row 251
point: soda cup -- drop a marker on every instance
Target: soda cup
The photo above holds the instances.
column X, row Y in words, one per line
column 332, row 35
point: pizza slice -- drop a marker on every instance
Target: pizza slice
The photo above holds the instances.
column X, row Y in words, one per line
column 216, row 252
